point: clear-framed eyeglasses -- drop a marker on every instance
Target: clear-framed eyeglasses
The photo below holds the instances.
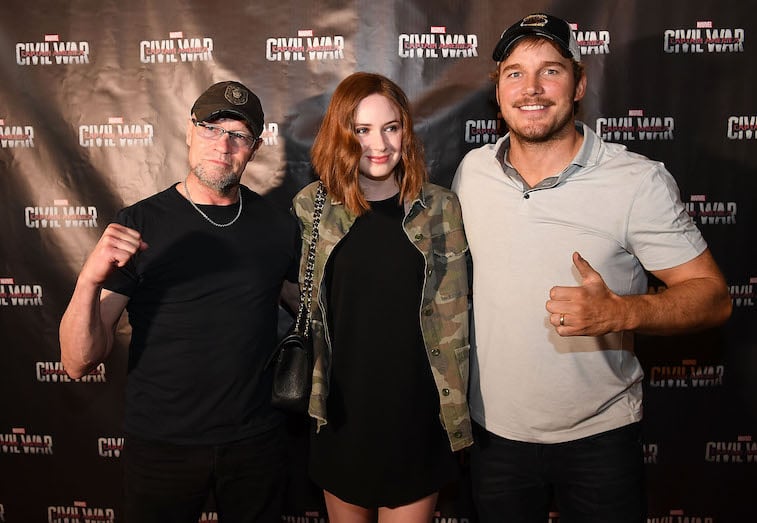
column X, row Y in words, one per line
column 214, row 132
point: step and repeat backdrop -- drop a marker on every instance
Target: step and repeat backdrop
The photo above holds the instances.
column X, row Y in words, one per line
column 94, row 100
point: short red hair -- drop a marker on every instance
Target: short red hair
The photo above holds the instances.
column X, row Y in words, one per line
column 336, row 150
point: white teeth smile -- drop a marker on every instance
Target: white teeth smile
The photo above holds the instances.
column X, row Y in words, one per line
column 532, row 107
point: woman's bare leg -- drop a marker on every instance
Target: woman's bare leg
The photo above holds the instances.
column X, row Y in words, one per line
column 342, row 512
column 420, row 511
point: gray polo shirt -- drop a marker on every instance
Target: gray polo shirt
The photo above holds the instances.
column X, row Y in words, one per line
column 622, row 212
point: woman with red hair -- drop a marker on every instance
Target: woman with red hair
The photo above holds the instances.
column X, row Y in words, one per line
column 389, row 312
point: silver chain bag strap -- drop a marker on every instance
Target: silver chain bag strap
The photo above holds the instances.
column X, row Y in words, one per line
column 293, row 358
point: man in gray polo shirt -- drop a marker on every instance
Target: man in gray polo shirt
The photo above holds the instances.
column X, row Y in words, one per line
column 561, row 227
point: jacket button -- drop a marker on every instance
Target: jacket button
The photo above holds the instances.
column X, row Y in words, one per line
column 435, row 352
column 445, row 391
column 428, row 312
column 429, row 271
column 419, row 236
column 458, row 434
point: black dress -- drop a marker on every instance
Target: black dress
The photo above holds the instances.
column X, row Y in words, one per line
column 384, row 444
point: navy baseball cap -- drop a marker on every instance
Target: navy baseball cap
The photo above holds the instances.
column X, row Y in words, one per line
column 230, row 99
column 539, row 24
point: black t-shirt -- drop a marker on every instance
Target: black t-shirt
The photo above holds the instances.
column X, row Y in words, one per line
column 203, row 309
column 384, row 444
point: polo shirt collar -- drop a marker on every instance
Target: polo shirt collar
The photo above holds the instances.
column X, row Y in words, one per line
column 587, row 155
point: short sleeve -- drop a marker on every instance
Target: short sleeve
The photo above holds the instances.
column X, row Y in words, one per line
column 661, row 233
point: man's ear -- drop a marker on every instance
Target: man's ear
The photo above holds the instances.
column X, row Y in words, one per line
column 258, row 144
column 580, row 88
column 190, row 125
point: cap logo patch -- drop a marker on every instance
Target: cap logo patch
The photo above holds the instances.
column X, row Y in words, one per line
column 534, row 21
column 235, row 95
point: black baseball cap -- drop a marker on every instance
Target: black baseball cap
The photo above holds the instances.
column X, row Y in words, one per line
column 230, row 99
column 539, row 24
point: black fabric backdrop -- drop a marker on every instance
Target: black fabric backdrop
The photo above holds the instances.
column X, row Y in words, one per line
column 94, row 99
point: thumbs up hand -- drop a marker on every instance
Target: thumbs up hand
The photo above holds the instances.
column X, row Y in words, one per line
column 590, row 309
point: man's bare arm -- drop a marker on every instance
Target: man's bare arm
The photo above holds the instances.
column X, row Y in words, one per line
column 696, row 298
column 88, row 325
column 88, row 328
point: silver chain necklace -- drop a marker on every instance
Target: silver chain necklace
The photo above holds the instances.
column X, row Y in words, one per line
column 239, row 212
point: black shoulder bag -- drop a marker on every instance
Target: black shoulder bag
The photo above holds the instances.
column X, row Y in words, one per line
column 293, row 358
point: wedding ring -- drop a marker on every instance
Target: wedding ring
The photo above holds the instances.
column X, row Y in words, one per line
column 562, row 320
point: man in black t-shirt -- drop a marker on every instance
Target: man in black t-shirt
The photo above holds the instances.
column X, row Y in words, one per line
column 199, row 267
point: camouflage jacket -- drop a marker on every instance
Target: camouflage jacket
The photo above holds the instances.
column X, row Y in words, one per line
column 433, row 223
